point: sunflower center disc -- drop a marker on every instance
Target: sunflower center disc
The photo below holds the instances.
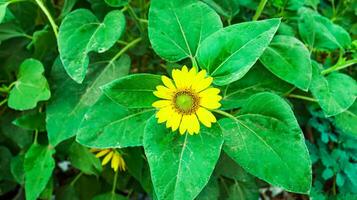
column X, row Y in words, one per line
column 184, row 102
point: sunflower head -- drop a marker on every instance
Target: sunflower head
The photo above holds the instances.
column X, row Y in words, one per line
column 117, row 161
column 186, row 100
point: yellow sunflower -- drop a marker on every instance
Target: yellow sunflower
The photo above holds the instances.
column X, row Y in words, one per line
column 186, row 100
column 114, row 156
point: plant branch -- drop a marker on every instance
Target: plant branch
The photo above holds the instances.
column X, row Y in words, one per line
column 123, row 50
column 115, row 182
column 295, row 96
column 49, row 17
column 3, row 102
column 339, row 66
column 259, row 10
column 76, row 179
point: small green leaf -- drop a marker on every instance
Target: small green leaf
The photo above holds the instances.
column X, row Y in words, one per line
column 320, row 33
column 331, row 92
column 229, row 53
column 10, row 30
column 122, row 128
column 347, row 121
column 266, row 140
column 31, row 86
column 116, row 3
column 133, row 91
column 81, row 158
column 289, row 59
column 17, row 168
column 5, row 161
column 71, row 101
column 81, row 33
column 3, row 7
column 181, row 165
column 258, row 79
column 176, row 28
column 210, row 191
column 32, row 121
column 39, row 165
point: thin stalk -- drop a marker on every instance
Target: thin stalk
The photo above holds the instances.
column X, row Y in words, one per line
column 76, row 179
column 339, row 66
column 224, row 113
column 301, row 97
column 49, row 17
column 123, row 50
column 3, row 102
column 194, row 63
column 115, row 183
column 36, row 136
column 259, row 10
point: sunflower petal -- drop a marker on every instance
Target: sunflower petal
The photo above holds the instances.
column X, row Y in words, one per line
column 168, row 82
column 205, row 117
column 107, row 158
column 115, row 161
column 102, row 153
column 161, row 103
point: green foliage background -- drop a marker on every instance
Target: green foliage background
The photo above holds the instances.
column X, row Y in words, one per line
column 80, row 74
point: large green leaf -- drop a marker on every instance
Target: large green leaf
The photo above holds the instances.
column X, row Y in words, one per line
column 81, row 33
column 133, row 91
column 210, row 191
column 335, row 93
column 121, row 128
column 229, row 53
column 266, row 140
column 289, row 59
column 31, row 86
column 71, row 100
column 181, row 165
column 320, row 33
column 38, row 165
column 176, row 28
column 227, row 8
column 258, row 79
column 347, row 120
column 81, row 158
column 10, row 30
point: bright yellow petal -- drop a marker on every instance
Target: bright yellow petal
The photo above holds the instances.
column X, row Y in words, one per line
column 184, row 69
column 194, row 125
column 161, row 103
column 102, row 153
column 176, row 75
column 163, row 92
column 209, row 92
column 211, row 103
column 184, row 124
column 115, row 161
column 107, row 158
column 168, row 82
column 202, row 84
column 175, row 121
column 122, row 165
column 205, row 117
column 163, row 114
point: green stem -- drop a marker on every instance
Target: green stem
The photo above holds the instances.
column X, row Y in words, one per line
column 36, row 136
column 123, row 50
column 136, row 18
column 3, row 102
column 115, row 183
column 301, row 97
column 194, row 63
column 339, row 66
column 49, row 17
column 224, row 113
column 259, row 10
column 76, row 179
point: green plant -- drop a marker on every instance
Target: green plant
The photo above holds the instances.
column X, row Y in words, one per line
column 232, row 80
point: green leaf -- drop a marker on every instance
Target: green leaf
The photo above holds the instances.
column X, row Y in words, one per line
column 133, row 91
column 32, row 121
column 227, row 8
column 20, row 137
column 10, row 30
column 176, row 28
column 229, row 53
column 39, row 165
column 258, row 79
column 335, row 93
column 110, row 196
column 266, row 140
column 116, row 3
column 81, row 158
column 3, row 7
column 5, row 160
column 347, row 121
column 289, row 59
column 71, row 101
column 17, row 168
column 81, row 33
column 181, row 165
column 210, row 191
column 320, row 33
column 121, row 128
column 31, row 86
